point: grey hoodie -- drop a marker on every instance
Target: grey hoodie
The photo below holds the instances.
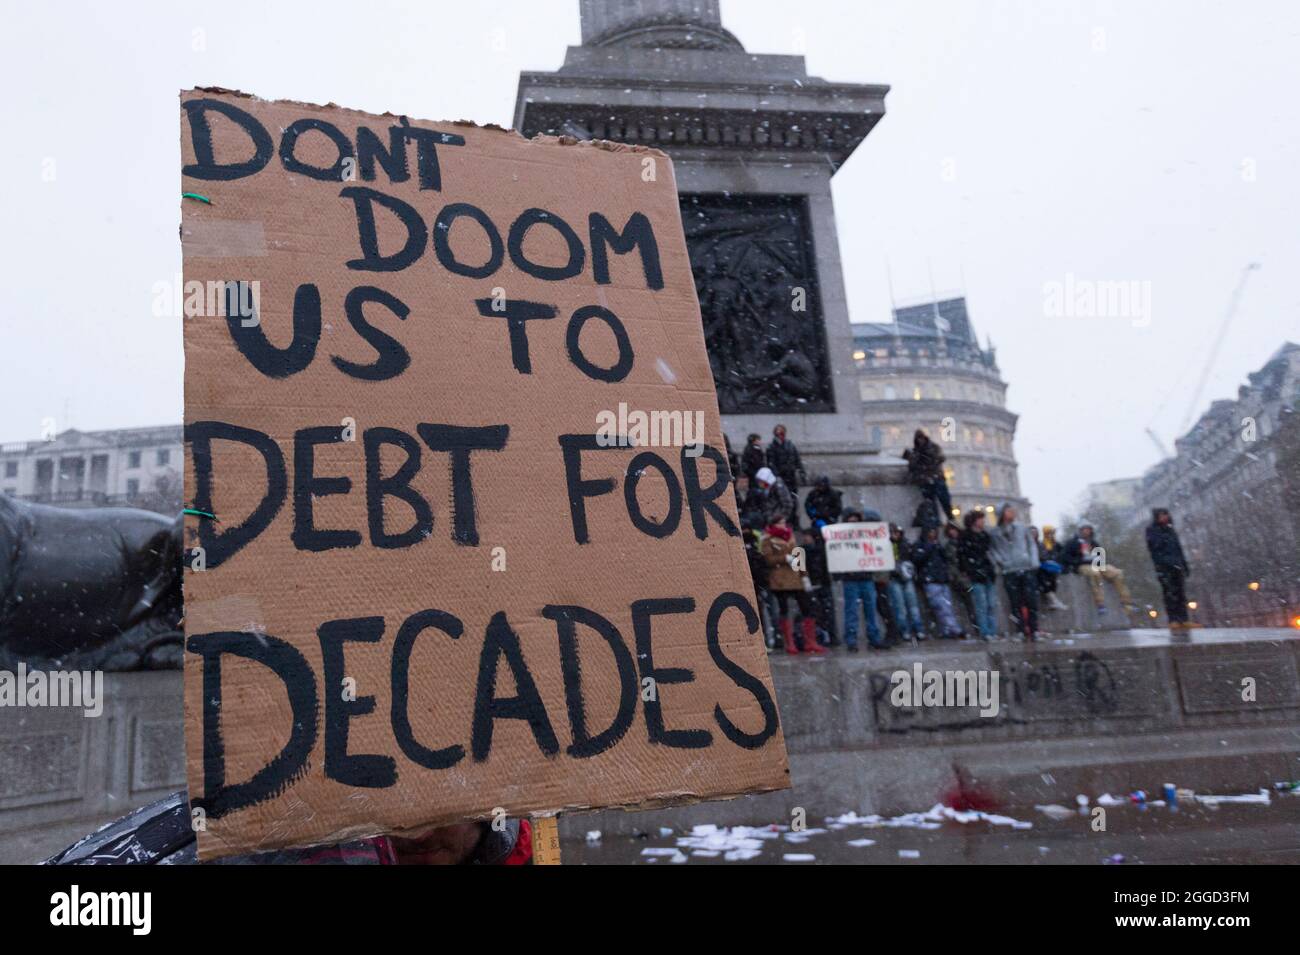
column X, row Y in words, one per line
column 1012, row 549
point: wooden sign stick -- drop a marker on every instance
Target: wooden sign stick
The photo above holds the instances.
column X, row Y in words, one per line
column 546, row 840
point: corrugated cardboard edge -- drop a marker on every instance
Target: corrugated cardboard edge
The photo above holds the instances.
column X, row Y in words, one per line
column 664, row 801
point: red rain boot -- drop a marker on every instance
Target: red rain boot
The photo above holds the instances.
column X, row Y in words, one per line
column 787, row 635
column 810, row 644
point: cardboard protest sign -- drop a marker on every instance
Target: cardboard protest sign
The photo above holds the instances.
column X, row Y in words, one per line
column 436, row 582
column 858, row 548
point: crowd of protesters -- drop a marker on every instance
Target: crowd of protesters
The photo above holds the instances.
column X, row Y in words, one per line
column 943, row 566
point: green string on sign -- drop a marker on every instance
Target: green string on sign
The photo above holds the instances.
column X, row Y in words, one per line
column 195, row 195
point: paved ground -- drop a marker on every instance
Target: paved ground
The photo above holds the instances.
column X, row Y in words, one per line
column 1196, row 832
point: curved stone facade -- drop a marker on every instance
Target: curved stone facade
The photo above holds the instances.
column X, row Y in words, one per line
column 927, row 370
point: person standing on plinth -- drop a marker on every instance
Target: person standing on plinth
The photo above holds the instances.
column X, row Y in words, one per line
column 787, row 580
column 973, row 556
column 860, row 589
column 1171, row 567
column 774, row 499
column 1016, row 555
column 824, row 503
column 783, row 458
column 753, row 458
column 936, row 576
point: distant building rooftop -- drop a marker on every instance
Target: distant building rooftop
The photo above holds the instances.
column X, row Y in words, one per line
column 946, row 318
column 111, row 438
column 943, row 322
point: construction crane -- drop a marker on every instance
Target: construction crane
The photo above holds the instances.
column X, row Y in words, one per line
column 1233, row 303
column 1160, row 445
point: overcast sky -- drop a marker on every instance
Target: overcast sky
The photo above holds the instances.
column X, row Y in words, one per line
column 1156, row 142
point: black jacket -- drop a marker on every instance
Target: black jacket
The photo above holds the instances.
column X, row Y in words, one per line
column 1166, row 551
column 818, row 572
column 973, row 555
column 931, row 562
column 783, row 458
column 927, row 515
column 824, row 504
column 924, row 462
column 1072, row 555
column 752, row 459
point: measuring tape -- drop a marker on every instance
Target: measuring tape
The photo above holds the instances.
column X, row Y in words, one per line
column 546, row 841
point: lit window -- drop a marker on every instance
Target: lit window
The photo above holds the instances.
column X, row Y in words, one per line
column 985, row 479
column 859, row 355
column 916, row 393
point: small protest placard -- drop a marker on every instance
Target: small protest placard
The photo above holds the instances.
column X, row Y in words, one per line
column 858, row 548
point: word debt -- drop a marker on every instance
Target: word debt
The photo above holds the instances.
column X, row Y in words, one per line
column 391, row 499
column 319, row 708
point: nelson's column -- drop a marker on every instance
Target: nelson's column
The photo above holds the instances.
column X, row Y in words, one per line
column 754, row 141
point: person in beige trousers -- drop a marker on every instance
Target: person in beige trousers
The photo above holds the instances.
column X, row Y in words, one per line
column 1085, row 556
